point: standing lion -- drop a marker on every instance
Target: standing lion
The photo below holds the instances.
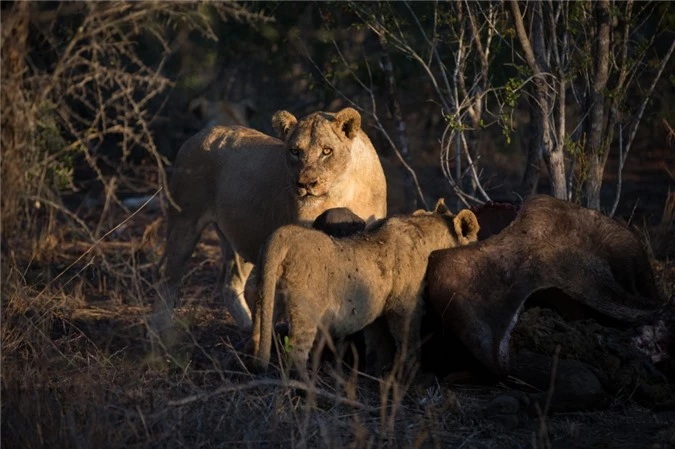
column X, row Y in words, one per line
column 249, row 184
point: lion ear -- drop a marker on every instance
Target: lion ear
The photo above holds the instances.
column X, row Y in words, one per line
column 198, row 107
column 349, row 121
column 466, row 226
column 441, row 208
column 283, row 123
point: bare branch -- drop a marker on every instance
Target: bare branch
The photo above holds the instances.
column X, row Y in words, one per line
column 472, row 166
column 623, row 154
column 618, row 175
column 522, row 37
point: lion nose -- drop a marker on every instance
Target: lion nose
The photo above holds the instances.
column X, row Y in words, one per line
column 307, row 184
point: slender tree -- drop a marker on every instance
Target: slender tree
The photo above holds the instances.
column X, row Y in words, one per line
column 536, row 52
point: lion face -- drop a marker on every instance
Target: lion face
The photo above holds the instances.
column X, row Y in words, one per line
column 318, row 148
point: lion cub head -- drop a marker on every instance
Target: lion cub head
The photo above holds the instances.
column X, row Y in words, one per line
column 464, row 226
column 318, row 147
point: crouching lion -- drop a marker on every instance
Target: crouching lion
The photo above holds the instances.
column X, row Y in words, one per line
column 342, row 285
column 249, row 184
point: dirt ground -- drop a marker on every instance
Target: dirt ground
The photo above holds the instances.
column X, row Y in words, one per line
column 76, row 371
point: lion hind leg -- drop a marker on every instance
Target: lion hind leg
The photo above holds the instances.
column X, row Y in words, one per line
column 303, row 332
column 379, row 347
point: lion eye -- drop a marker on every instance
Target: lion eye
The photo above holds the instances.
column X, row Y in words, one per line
column 294, row 152
column 327, row 151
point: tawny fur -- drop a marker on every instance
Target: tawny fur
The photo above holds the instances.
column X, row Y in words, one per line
column 249, row 184
column 342, row 285
column 221, row 113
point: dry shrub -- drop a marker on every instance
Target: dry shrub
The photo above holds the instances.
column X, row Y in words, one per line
column 16, row 131
column 82, row 83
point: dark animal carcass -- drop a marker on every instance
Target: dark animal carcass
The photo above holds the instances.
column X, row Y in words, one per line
column 493, row 217
column 573, row 259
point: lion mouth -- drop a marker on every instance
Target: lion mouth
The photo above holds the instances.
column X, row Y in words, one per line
column 307, row 194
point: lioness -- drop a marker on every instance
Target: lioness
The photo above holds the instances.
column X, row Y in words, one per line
column 249, row 184
column 221, row 113
column 342, row 285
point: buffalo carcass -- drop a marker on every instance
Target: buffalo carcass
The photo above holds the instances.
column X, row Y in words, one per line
column 576, row 260
column 494, row 217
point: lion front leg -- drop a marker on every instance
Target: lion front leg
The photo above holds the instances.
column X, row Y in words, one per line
column 232, row 283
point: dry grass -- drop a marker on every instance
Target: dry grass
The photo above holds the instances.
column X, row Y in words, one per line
column 76, row 372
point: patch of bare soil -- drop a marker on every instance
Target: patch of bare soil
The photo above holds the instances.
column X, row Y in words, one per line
column 630, row 364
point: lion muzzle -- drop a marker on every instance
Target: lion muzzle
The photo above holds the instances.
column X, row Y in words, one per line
column 308, row 187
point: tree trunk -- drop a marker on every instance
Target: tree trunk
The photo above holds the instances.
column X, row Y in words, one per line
column 596, row 147
column 555, row 160
column 530, row 181
column 534, row 48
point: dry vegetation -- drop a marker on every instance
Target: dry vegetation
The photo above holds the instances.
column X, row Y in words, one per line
column 77, row 283
column 75, row 373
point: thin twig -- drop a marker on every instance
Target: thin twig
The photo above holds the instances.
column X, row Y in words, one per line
column 95, row 244
column 641, row 111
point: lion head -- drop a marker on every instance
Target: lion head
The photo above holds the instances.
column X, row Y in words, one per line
column 318, row 147
column 464, row 225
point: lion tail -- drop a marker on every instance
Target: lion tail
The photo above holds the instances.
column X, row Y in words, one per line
column 271, row 257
